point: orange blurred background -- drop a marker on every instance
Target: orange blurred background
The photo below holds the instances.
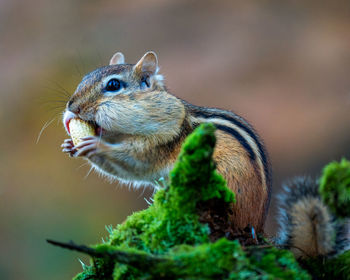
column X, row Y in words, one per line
column 284, row 66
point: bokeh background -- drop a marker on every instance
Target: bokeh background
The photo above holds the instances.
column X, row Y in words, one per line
column 283, row 65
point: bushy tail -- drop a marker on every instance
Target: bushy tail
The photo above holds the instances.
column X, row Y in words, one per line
column 307, row 225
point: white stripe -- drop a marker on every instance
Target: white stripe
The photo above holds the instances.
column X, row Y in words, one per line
column 243, row 133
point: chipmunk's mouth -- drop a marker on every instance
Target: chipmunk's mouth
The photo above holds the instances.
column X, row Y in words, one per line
column 68, row 116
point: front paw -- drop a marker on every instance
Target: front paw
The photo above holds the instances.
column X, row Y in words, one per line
column 68, row 147
column 90, row 146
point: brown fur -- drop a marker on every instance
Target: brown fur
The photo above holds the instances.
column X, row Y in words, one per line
column 243, row 178
column 313, row 232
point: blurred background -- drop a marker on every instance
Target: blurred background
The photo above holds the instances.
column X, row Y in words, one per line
column 284, row 66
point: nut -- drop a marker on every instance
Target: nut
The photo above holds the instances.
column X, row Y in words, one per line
column 79, row 129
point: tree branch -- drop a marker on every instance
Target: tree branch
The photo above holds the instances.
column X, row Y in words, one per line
column 136, row 259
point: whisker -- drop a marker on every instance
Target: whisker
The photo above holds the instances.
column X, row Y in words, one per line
column 142, row 193
column 54, row 105
column 147, row 201
column 43, row 128
column 61, row 88
column 60, row 91
column 100, row 136
column 87, row 174
column 54, row 102
column 59, row 121
column 54, row 109
column 85, row 163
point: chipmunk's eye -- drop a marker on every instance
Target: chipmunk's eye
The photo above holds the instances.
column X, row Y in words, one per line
column 113, row 85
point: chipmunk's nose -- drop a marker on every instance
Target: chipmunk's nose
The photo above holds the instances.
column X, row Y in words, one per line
column 73, row 107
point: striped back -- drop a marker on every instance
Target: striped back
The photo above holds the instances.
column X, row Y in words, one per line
column 241, row 130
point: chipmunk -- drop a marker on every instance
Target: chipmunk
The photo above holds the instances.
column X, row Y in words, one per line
column 140, row 127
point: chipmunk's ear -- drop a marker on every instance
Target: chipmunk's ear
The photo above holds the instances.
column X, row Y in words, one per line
column 117, row 58
column 148, row 63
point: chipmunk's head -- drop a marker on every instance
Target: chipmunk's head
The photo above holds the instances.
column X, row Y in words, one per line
column 127, row 99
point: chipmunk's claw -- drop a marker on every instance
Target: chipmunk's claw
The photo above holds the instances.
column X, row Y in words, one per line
column 89, row 146
column 68, row 147
column 87, row 150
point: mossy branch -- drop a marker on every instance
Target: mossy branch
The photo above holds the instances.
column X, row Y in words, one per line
column 223, row 259
column 137, row 259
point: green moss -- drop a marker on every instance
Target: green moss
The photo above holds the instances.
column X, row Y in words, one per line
column 225, row 259
column 167, row 241
column 277, row 263
column 101, row 268
column 335, row 187
column 332, row 268
column 194, row 176
column 88, row 273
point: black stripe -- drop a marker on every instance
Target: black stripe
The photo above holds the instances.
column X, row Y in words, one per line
column 247, row 129
column 239, row 137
